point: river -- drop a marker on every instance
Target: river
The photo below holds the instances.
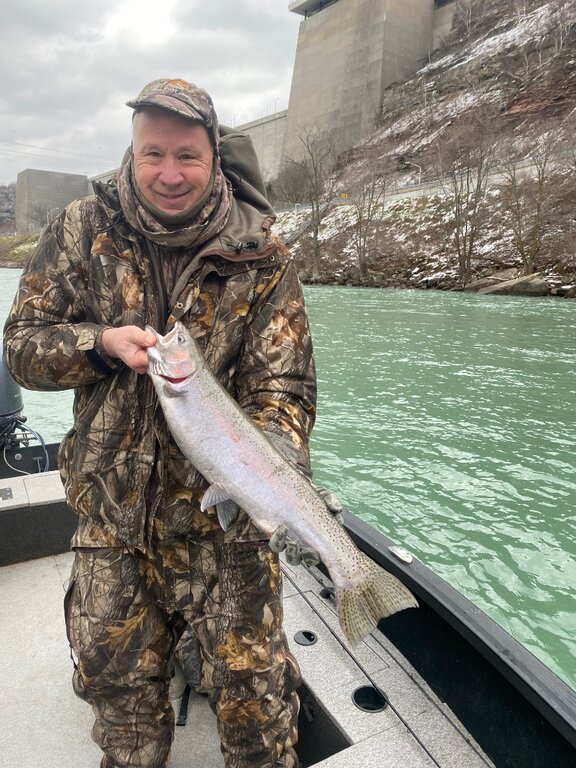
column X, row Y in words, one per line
column 447, row 421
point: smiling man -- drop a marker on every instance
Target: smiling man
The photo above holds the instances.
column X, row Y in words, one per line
column 169, row 239
column 173, row 162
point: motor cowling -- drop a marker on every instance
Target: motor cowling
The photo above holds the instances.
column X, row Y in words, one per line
column 11, row 402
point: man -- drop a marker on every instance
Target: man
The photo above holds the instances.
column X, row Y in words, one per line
column 169, row 239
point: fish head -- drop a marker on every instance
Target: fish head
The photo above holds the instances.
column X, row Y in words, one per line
column 175, row 358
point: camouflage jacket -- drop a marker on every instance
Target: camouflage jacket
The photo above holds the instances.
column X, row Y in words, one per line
column 240, row 297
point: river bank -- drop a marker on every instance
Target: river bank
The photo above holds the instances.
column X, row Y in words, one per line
column 506, row 282
column 411, row 243
column 408, row 246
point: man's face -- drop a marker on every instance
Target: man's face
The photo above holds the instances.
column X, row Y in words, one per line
column 172, row 159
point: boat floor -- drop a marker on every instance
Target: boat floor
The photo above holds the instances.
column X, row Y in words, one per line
column 43, row 723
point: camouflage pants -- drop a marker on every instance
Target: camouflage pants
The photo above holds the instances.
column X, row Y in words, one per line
column 125, row 613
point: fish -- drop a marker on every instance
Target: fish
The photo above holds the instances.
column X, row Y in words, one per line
column 244, row 469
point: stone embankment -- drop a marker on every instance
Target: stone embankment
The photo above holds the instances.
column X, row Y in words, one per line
column 525, row 285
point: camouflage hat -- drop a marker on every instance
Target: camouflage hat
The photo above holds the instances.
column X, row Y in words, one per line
column 184, row 98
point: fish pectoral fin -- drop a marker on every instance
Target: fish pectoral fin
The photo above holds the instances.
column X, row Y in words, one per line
column 213, row 495
column 227, row 512
column 226, row 509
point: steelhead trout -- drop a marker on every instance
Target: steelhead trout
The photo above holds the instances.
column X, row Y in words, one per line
column 241, row 465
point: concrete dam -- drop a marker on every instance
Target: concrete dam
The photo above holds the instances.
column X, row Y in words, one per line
column 348, row 53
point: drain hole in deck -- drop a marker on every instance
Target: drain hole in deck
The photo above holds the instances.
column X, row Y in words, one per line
column 369, row 699
column 305, row 637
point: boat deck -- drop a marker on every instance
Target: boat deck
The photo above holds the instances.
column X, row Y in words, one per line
column 43, row 723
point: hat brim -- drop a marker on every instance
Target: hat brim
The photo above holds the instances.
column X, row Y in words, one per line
column 170, row 103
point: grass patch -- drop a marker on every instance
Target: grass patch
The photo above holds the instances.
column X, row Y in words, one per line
column 14, row 250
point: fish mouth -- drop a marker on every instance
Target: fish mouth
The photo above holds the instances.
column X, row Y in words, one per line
column 172, row 380
column 168, row 359
column 162, row 371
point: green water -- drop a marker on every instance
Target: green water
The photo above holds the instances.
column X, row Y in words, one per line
column 446, row 421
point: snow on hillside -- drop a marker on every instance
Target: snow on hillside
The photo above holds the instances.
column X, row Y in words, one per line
column 527, row 57
column 513, row 70
column 528, row 30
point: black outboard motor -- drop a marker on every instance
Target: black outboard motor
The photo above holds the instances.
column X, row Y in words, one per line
column 15, row 435
column 11, row 405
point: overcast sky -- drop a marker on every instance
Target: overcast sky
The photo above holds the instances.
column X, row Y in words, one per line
column 67, row 67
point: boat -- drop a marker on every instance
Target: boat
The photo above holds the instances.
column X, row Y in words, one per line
column 441, row 686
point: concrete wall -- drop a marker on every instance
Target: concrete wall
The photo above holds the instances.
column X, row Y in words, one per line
column 336, row 81
column 443, row 20
column 267, row 135
column 41, row 195
column 348, row 52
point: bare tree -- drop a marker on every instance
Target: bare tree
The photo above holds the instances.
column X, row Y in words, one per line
column 569, row 141
column 465, row 161
column 519, row 7
column 528, row 196
column 40, row 215
column 368, row 203
column 289, row 186
column 470, row 15
column 312, row 169
column 561, row 31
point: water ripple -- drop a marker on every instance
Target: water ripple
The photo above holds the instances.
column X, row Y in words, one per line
column 447, row 421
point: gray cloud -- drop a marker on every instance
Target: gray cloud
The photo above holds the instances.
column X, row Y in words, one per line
column 68, row 69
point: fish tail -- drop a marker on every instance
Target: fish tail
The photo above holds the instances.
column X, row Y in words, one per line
column 377, row 595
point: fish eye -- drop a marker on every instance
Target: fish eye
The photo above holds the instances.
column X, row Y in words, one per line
column 181, row 339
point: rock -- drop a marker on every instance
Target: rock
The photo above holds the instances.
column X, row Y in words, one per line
column 527, row 285
column 436, row 280
column 495, row 278
column 506, row 274
column 483, row 282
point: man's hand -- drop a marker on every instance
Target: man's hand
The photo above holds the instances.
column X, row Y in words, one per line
column 332, row 502
column 128, row 343
column 295, row 553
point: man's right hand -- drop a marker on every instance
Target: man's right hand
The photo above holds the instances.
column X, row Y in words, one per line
column 129, row 344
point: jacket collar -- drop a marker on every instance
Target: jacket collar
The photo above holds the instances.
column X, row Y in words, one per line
column 245, row 237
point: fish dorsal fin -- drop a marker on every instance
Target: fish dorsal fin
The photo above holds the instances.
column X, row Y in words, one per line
column 226, row 509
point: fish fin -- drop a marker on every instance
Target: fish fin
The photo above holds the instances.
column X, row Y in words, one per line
column 214, row 495
column 378, row 595
column 227, row 512
column 226, row 509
